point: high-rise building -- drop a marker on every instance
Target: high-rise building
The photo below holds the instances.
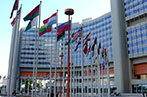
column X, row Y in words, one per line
column 127, row 52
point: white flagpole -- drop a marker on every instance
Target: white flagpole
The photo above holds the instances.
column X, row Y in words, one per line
column 50, row 67
column 108, row 79
column 34, row 64
column 82, row 63
column 99, row 81
column 56, row 64
column 74, row 75
column 91, row 72
column 36, row 68
column 88, row 75
column 28, row 86
column 63, row 76
column 12, row 60
column 102, row 79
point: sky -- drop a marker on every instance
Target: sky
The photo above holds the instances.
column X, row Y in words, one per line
column 82, row 9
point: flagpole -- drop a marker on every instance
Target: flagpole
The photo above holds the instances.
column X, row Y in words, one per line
column 108, row 75
column 56, row 64
column 99, row 81
column 102, row 79
column 91, row 71
column 18, row 41
column 63, row 84
column 14, row 66
column 82, row 62
column 14, row 35
column 99, row 75
column 34, row 61
column 36, row 68
column 61, row 75
column 50, row 67
column 87, row 77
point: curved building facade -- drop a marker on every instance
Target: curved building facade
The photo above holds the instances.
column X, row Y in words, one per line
column 83, row 75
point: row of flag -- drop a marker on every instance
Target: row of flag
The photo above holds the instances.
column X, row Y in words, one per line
column 47, row 27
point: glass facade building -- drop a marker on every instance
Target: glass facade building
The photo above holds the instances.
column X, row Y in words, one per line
column 101, row 27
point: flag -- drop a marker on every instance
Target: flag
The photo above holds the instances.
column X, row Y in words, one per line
column 86, row 42
column 78, row 44
column 95, row 42
column 31, row 23
column 64, row 27
column 13, row 22
column 98, row 50
column 44, row 30
column 103, row 64
column 89, row 49
column 51, row 20
column 15, row 7
column 47, row 27
column 60, row 35
column 85, row 49
column 95, row 64
column 85, row 45
column 87, row 36
column 69, row 42
column 77, row 34
column 93, row 46
column 17, row 17
column 32, row 14
column 103, row 53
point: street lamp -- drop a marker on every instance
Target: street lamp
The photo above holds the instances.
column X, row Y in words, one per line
column 68, row 12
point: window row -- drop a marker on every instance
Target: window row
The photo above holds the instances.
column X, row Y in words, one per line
column 136, row 11
column 136, row 4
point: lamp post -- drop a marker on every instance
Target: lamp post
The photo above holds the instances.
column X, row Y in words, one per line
column 61, row 75
column 68, row 12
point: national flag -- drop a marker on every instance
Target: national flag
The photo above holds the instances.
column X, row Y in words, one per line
column 13, row 22
column 78, row 44
column 103, row 55
column 31, row 23
column 95, row 42
column 89, row 49
column 85, row 49
column 60, row 35
column 93, row 46
column 44, row 30
column 87, row 36
column 86, row 42
column 32, row 16
column 92, row 53
column 95, row 64
column 85, row 45
column 69, row 42
column 15, row 7
column 64, row 27
column 34, row 13
column 17, row 17
column 77, row 34
column 103, row 64
column 47, row 27
column 51, row 20
column 105, row 52
column 98, row 50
